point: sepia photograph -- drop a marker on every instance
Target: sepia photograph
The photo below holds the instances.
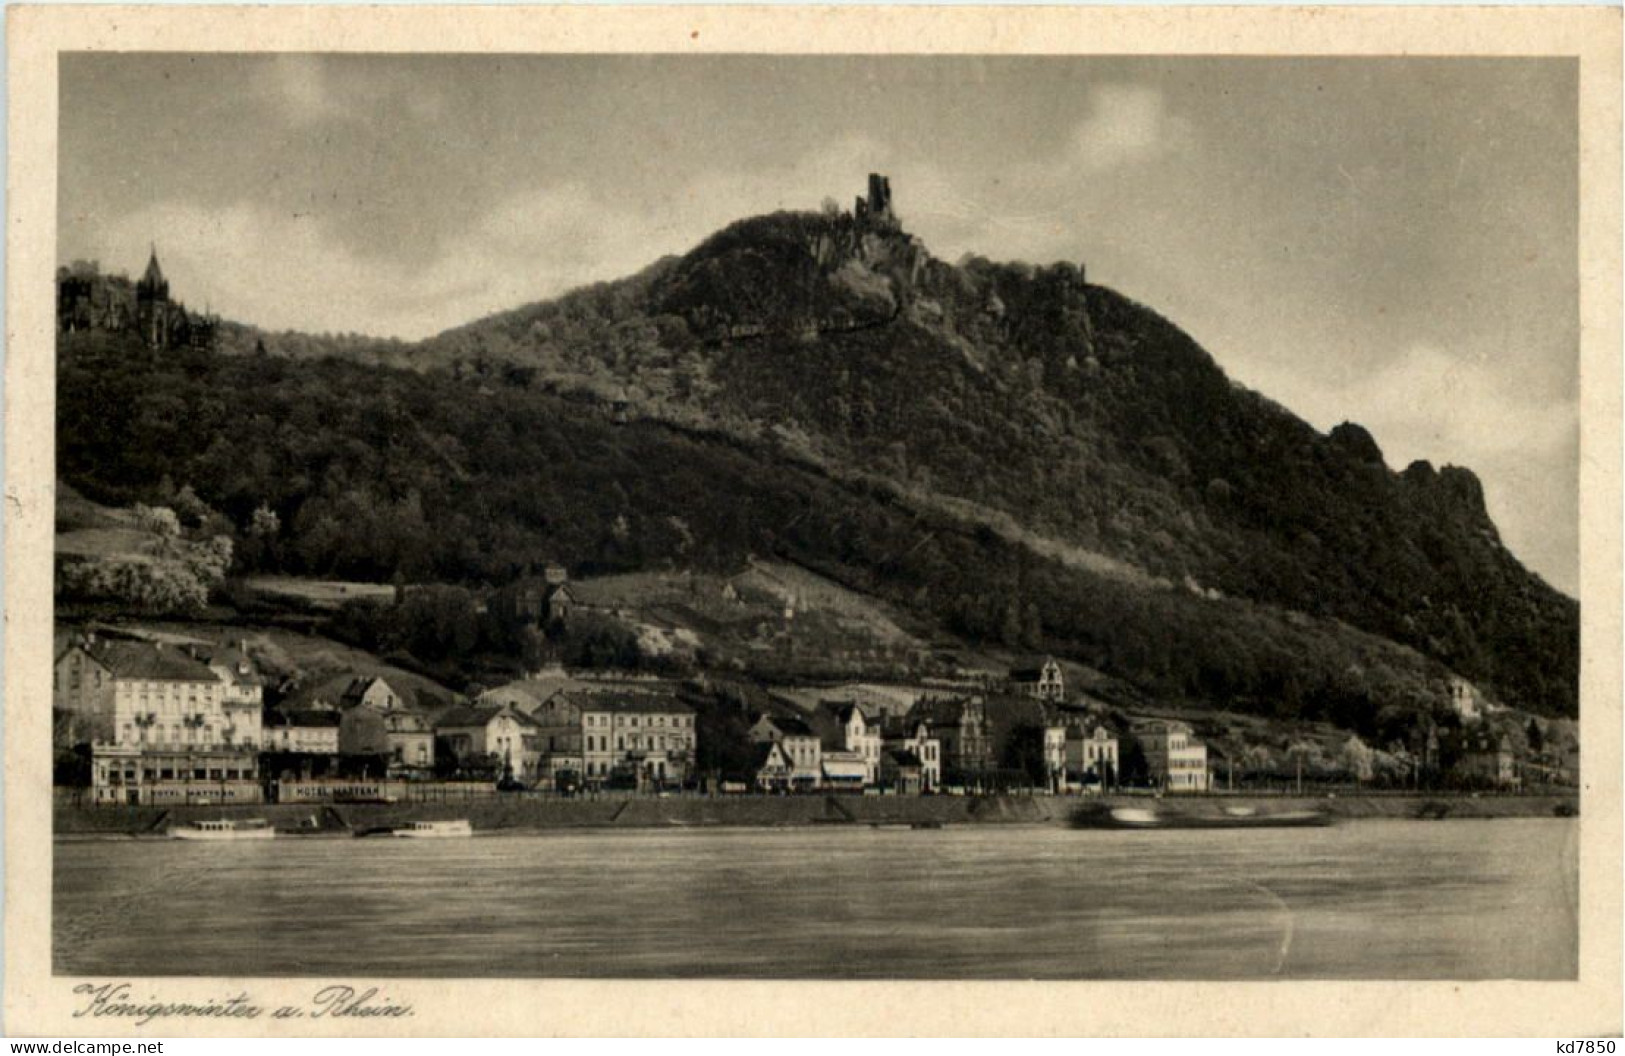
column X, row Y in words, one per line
column 813, row 517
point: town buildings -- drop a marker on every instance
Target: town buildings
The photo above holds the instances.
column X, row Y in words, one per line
column 901, row 771
column 960, row 725
column 844, row 769
column 1473, row 756
column 82, row 695
column 301, row 731
column 242, row 692
column 912, row 738
column 1055, row 755
column 560, row 734
column 540, row 600
column 846, row 731
column 1175, row 760
column 1091, row 756
column 376, row 722
column 374, row 692
column 644, row 739
column 158, row 724
column 1465, row 700
column 801, row 746
column 773, row 767
column 1041, row 681
column 499, row 732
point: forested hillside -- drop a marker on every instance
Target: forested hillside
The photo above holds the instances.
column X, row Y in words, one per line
column 1009, row 451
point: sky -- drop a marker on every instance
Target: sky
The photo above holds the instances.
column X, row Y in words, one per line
column 1389, row 241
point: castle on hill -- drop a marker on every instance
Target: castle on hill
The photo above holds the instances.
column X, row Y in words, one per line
column 89, row 300
column 874, row 210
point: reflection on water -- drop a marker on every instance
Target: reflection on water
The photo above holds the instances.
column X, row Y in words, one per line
column 1369, row 899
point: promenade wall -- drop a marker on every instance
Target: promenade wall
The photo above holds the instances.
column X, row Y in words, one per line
column 520, row 813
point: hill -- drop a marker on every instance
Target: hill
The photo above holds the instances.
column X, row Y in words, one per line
column 1010, row 453
column 1062, row 415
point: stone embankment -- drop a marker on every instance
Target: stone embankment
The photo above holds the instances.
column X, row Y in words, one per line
column 522, row 813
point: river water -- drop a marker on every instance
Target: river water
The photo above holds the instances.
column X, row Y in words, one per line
column 1379, row 899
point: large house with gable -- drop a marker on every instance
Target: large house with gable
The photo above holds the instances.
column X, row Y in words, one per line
column 960, row 724
column 499, row 732
column 377, row 719
column 157, row 722
column 802, row 747
column 848, row 735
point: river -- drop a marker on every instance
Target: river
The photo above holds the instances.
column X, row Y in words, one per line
column 1377, row 899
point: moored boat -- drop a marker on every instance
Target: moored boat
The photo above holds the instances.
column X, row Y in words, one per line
column 1103, row 816
column 225, row 829
column 435, row 830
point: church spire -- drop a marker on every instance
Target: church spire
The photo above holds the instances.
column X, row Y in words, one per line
column 154, row 274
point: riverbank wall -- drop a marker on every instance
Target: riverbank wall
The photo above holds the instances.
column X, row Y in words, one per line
column 522, row 813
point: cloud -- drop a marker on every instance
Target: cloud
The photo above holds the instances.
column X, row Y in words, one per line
column 291, row 270
column 306, row 90
column 277, row 269
column 285, row 271
column 1127, row 124
column 1044, row 208
column 298, row 86
column 1451, row 405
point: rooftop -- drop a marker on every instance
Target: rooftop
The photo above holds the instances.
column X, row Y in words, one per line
column 790, row 725
column 633, row 704
column 276, row 717
column 480, row 715
column 151, row 661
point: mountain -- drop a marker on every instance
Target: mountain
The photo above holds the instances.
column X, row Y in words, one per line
column 1010, row 451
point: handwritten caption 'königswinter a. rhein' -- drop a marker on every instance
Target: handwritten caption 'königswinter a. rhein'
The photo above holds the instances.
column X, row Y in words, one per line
column 336, row 1001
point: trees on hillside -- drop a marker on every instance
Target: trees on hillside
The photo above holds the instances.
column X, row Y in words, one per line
column 336, row 469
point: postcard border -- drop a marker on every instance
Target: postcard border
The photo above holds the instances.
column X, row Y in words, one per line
column 37, row 1003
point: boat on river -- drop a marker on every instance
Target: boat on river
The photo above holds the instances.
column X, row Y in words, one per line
column 435, row 830
column 1105, row 816
column 225, row 829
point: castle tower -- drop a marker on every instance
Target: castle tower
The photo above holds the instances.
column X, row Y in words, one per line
column 879, row 195
column 874, row 209
column 152, row 304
